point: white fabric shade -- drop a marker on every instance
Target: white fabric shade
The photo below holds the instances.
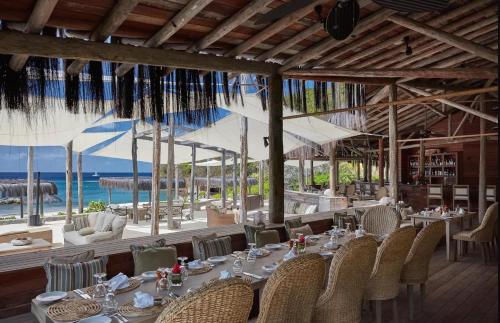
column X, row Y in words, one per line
column 86, row 140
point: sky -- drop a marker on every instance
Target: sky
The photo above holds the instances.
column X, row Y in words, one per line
column 53, row 159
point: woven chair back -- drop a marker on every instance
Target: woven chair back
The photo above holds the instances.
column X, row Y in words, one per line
column 380, row 220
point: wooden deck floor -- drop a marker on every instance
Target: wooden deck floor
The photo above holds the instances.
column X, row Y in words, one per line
column 462, row 291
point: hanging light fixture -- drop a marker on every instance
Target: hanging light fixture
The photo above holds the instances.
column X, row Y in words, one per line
column 408, row 50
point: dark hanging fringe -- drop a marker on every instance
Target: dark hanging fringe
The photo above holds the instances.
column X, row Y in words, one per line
column 321, row 96
column 225, row 88
column 262, row 86
column 141, row 90
column 72, row 90
column 157, row 89
column 125, row 95
column 304, row 95
column 236, row 90
column 14, row 87
column 290, row 94
column 96, row 85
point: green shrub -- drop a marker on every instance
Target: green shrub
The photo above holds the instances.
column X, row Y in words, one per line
column 95, row 206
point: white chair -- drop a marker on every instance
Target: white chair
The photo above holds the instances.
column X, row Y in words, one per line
column 461, row 193
column 434, row 193
column 491, row 193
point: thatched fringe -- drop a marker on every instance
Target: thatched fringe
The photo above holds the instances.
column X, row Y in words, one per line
column 19, row 187
column 127, row 183
column 262, row 88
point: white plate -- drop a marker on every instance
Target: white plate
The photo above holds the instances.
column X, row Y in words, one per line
column 51, row 297
column 313, row 237
column 269, row 268
column 217, row 259
column 149, row 275
column 326, row 254
column 273, row 246
column 96, row 319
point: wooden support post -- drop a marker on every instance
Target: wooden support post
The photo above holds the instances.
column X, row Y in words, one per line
column 301, row 174
column 207, row 194
column 135, row 177
column 170, row 170
column 193, row 174
column 176, row 182
column 30, row 182
column 69, row 181
column 393, row 144
column 243, row 168
column 421, row 160
column 386, row 177
column 365, row 167
column 235, row 182
column 369, row 167
column 21, row 206
column 155, row 181
column 223, row 179
column 35, row 218
column 79, row 175
column 312, row 171
column 333, row 168
column 109, row 196
column 262, row 166
column 381, row 162
column 449, row 124
column 482, row 162
column 276, row 159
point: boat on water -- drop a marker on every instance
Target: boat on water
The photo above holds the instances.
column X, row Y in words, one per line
column 95, row 174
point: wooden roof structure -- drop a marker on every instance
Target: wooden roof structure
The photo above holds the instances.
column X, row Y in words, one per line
column 451, row 51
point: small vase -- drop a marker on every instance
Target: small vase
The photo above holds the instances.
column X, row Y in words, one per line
column 175, row 279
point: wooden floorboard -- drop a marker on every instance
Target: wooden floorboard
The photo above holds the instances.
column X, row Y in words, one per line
column 464, row 291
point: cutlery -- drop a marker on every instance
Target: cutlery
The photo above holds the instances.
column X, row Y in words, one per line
column 253, row 275
column 119, row 318
column 82, row 294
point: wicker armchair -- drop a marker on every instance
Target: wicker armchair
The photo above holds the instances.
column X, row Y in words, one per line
column 380, row 220
column 381, row 192
column 349, row 273
column 483, row 234
column 384, row 281
column 227, row 300
column 416, row 267
column 292, row 290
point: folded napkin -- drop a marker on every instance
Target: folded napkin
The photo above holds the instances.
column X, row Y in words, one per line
column 118, row 282
column 256, row 252
column 225, row 274
column 143, row 300
column 289, row 255
column 195, row 264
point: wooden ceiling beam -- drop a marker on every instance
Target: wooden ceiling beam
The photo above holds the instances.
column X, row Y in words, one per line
column 229, row 24
column 344, row 79
column 67, row 48
column 446, row 37
column 169, row 29
column 453, row 73
column 328, row 43
column 37, row 20
column 114, row 19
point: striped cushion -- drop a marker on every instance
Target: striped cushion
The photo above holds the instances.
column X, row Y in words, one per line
column 215, row 247
column 66, row 277
column 293, row 223
column 81, row 222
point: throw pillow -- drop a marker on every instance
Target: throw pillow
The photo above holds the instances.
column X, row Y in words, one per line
column 66, row 277
column 99, row 223
column 153, row 258
column 215, row 247
column 108, row 222
column 293, row 223
column 266, row 237
column 305, row 230
column 156, row 244
column 86, row 231
column 80, row 257
column 196, row 241
column 250, row 231
column 348, row 219
column 81, row 222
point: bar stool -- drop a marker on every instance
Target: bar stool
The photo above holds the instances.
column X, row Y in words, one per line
column 491, row 193
column 435, row 192
column 461, row 193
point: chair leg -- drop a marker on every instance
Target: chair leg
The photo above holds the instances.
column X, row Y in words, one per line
column 483, row 253
column 378, row 311
column 395, row 312
column 409, row 291
column 455, row 251
column 422, row 295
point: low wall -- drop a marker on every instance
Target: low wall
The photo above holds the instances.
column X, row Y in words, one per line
column 302, row 197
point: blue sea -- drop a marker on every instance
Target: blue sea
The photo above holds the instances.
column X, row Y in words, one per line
column 91, row 191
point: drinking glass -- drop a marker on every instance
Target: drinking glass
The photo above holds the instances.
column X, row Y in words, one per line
column 162, row 285
column 100, row 288
column 251, row 253
column 347, row 229
column 110, row 304
column 238, row 268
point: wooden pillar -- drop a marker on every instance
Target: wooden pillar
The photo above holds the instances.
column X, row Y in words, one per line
column 243, row 168
column 235, row 181
column 482, row 162
column 262, row 166
column 35, row 218
column 276, row 159
column 135, row 177
column 170, row 170
column 21, row 206
column 333, row 168
column 449, row 125
column 369, row 167
column 312, row 172
column 30, row 182
column 393, row 143
column 301, row 174
column 386, row 177
column 421, row 159
column 79, row 174
column 365, row 167
column 223, row 179
column 176, row 182
column 358, row 170
column 207, row 194
column 69, row 181
column 381, row 162
column 193, row 174
column 155, row 181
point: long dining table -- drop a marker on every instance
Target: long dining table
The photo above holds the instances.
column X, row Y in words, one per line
column 196, row 281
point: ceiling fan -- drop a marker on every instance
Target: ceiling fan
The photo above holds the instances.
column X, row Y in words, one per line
column 427, row 133
column 343, row 17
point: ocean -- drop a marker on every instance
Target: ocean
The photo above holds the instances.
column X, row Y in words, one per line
column 91, row 191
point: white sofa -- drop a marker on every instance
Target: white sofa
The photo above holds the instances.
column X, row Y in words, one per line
column 118, row 223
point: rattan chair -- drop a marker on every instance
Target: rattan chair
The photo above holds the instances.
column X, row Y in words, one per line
column 292, row 290
column 483, row 234
column 227, row 300
column 350, row 190
column 416, row 268
column 381, row 192
column 266, row 237
column 384, row 280
column 380, row 220
column 349, row 273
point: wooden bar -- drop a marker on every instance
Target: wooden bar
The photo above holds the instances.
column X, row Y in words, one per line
column 482, row 162
column 312, row 171
column 276, row 158
column 333, row 167
column 69, row 181
column 301, row 174
column 79, row 174
column 235, row 185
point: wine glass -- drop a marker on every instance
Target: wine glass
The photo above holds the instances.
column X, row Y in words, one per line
column 251, row 253
column 182, row 260
column 184, row 270
column 110, row 303
column 100, row 288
